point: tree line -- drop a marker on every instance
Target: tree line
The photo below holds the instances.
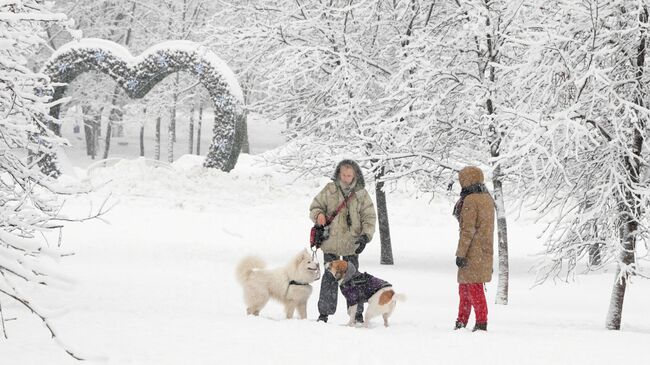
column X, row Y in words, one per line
column 549, row 96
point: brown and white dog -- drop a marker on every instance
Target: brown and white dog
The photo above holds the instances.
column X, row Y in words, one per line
column 360, row 288
column 289, row 284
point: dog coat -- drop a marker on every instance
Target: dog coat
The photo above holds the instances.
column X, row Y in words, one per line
column 357, row 288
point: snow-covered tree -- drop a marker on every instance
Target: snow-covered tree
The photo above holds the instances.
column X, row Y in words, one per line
column 138, row 25
column 326, row 68
column 547, row 96
column 454, row 86
column 30, row 201
column 582, row 125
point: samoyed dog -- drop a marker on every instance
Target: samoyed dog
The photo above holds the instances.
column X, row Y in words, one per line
column 290, row 285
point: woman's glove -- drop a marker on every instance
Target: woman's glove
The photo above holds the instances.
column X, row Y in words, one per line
column 461, row 262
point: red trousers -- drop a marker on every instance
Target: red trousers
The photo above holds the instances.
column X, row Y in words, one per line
column 472, row 295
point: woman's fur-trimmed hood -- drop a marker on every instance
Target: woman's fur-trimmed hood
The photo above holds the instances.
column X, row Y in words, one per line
column 469, row 176
column 358, row 175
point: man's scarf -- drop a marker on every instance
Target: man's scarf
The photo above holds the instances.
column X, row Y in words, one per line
column 472, row 189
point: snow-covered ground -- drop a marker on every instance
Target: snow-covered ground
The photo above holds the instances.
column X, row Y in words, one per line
column 155, row 283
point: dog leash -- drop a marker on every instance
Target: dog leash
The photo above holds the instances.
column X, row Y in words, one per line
column 314, row 257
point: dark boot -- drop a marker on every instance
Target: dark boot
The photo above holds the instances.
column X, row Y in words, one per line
column 358, row 318
column 459, row 325
column 480, row 327
column 322, row 318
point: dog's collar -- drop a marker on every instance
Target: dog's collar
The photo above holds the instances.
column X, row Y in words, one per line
column 293, row 282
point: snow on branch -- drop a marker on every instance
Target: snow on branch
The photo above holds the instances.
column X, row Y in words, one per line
column 137, row 75
column 575, row 153
column 30, row 200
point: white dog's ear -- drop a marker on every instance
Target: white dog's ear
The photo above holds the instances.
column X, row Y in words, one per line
column 301, row 256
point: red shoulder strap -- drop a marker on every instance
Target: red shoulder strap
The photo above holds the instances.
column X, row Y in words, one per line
column 344, row 203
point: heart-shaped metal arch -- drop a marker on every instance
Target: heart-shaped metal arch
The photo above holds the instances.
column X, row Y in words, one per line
column 137, row 75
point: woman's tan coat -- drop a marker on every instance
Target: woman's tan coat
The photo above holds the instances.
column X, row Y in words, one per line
column 476, row 231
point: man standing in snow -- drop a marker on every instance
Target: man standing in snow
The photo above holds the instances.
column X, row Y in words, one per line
column 475, row 213
column 349, row 232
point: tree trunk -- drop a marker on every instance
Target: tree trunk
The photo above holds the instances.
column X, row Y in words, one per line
column 172, row 125
column 191, row 131
column 86, row 115
column 171, row 128
column 114, row 115
column 157, row 146
column 119, row 132
column 502, row 234
column 198, row 129
column 107, row 138
column 116, row 118
column 595, row 257
column 628, row 241
column 386, row 257
column 631, row 210
column 495, row 144
column 144, row 117
column 142, row 140
column 170, row 136
column 96, row 132
column 615, row 313
column 245, row 145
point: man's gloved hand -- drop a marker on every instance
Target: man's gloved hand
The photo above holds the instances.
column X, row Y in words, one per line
column 461, row 262
column 361, row 242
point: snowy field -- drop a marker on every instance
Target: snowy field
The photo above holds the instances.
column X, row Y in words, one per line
column 154, row 284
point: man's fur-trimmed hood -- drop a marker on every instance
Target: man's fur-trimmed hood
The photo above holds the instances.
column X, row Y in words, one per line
column 360, row 181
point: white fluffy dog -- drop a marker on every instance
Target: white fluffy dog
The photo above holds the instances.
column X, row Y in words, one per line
column 289, row 285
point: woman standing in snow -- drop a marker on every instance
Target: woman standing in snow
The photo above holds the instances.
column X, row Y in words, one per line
column 474, row 255
column 349, row 232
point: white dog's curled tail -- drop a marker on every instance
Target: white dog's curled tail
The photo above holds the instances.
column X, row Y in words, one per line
column 246, row 266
